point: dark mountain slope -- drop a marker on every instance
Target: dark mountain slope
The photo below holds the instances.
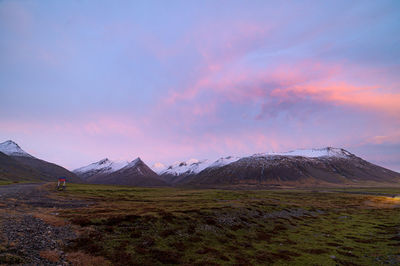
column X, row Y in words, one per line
column 296, row 171
column 48, row 171
column 12, row 170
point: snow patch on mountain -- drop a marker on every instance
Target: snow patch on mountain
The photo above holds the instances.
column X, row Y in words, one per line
column 105, row 166
column 224, row 161
column 195, row 166
column 191, row 166
column 9, row 147
column 311, row 153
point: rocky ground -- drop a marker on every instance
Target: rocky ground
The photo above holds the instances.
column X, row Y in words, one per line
column 26, row 235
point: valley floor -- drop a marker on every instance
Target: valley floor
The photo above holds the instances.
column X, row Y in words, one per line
column 95, row 224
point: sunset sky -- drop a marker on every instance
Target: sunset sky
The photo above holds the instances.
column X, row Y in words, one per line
column 174, row 80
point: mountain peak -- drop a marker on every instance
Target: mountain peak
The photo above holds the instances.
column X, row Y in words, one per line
column 10, row 142
column 134, row 162
column 11, row 148
column 104, row 161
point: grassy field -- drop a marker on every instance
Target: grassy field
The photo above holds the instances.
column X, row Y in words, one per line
column 149, row 226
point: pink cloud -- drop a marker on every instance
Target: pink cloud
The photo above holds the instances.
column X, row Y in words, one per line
column 312, row 80
column 391, row 138
column 342, row 93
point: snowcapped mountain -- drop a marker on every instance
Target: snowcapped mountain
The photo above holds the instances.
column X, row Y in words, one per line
column 191, row 166
column 299, row 168
column 11, row 148
column 195, row 166
column 135, row 173
column 179, row 171
column 104, row 166
column 303, row 167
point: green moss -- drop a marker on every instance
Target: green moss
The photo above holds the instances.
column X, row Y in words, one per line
column 168, row 225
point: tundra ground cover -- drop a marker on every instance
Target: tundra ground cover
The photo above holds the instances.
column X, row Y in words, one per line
column 151, row 226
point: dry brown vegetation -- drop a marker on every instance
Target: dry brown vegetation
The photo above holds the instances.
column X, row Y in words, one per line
column 50, row 255
column 50, row 218
column 83, row 259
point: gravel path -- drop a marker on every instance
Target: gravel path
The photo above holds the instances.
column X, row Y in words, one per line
column 26, row 239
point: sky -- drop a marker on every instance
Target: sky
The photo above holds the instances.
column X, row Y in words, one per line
column 173, row 80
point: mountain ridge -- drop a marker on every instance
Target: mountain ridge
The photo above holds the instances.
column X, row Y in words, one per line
column 299, row 171
column 303, row 167
column 329, row 166
column 191, row 167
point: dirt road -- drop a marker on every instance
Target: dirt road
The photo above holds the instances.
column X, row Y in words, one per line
column 26, row 235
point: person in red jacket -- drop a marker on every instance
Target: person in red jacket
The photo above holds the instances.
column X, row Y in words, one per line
column 61, row 180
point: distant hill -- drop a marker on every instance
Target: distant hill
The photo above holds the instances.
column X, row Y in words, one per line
column 24, row 166
column 135, row 173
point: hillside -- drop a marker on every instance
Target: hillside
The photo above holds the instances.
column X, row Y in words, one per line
column 24, row 166
column 12, row 170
